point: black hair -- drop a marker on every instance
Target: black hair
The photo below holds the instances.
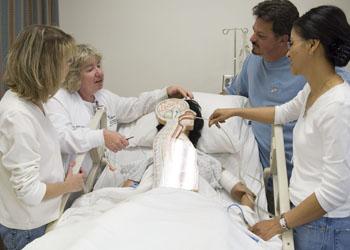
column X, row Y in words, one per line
column 195, row 133
column 282, row 14
column 329, row 25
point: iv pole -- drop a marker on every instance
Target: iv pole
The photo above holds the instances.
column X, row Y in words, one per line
column 226, row 32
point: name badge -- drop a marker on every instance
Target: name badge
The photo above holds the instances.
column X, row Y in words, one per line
column 112, row 120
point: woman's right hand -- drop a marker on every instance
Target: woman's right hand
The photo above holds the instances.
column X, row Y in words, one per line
column 74, row 182
column 220, row 115
column 114, row 141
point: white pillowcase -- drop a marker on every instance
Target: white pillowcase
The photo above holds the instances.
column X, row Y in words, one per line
column 143, row 130
column 228, row 139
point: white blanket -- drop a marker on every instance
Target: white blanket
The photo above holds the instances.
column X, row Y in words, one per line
column 163, row 218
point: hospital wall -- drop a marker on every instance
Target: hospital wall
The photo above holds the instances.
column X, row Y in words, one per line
column 147, row 44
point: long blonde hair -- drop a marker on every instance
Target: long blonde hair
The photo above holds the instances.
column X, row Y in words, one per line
column 36, row 62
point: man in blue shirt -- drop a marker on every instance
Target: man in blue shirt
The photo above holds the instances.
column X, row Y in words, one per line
column 266, row 78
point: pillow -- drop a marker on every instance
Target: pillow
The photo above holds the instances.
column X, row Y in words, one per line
column 228, row 138
column 143, row 130
column 213, row 140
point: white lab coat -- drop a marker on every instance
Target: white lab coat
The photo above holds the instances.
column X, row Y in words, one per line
column 30, row 157
column 70, row 115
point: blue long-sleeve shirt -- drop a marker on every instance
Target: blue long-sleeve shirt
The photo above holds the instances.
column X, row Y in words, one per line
column 270, row 84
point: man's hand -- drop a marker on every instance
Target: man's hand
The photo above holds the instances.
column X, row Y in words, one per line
column 114, row 141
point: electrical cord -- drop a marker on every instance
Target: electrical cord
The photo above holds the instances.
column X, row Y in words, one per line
column 259, row 209
column 241, row 214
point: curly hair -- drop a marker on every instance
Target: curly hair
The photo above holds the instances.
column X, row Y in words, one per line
column 83, row 53
column 282, row 14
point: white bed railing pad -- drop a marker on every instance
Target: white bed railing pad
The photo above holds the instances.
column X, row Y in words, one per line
column 278, row 170
column 99, row 120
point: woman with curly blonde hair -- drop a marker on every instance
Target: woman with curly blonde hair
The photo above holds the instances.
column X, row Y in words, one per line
column 74, row 105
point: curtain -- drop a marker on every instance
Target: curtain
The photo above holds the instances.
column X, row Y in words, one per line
column 17, row 14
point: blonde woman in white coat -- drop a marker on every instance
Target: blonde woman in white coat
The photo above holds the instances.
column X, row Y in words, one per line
column 74, row 105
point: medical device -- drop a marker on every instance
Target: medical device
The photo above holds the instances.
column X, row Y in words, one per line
column 238, row 55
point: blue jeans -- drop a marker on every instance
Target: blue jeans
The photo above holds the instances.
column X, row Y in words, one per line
column 15, row 239
column 323, row 234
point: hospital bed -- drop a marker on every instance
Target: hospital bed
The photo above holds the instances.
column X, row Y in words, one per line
column 277, row 170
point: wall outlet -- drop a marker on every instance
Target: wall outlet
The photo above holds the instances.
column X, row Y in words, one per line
column 225, row 81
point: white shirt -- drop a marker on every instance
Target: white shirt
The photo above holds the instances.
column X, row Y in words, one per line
column 321, row 145
column 70, row 115
column 30, row 157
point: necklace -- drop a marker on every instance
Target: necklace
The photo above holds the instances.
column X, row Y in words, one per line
column 316, row 93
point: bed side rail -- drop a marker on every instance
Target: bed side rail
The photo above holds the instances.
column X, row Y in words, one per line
column 99, row 120
column 278, row 170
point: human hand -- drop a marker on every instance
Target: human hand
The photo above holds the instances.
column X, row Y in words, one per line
column 266, row 229
column 178, row 92
column 248, row 200
column 114, row 141
column 242, row 193
column 130, row 183
column 74, row 182
column 220, row 115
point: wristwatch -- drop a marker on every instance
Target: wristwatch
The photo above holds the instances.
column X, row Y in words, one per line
column 283, row 223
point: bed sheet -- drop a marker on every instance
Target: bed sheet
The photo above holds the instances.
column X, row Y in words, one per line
column 162, row 218
column 146, row 218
